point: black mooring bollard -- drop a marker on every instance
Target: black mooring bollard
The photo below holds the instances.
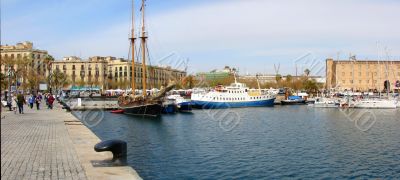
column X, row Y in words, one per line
column 117, row 147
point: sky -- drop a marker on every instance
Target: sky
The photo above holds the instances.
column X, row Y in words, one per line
column 255, row 36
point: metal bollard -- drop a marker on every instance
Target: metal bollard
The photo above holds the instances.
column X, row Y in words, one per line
column 117, row 147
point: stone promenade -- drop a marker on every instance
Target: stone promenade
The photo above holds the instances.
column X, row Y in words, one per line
column 36, row 145
column 40, row 145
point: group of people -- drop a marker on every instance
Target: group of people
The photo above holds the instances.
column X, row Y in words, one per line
column 19, row 100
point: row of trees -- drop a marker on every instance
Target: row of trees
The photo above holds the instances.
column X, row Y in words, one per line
column 295, row 83
column 27, row 75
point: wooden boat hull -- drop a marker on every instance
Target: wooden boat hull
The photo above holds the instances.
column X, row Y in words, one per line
column 153, row 110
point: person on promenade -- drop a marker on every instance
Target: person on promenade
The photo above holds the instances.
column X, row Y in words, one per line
column 31, row 101
column 38, row 100
column 14, row 104
column 46, row 96
column 20, row 102
column 50, row 101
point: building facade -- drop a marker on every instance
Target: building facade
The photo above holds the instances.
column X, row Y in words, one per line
column 114, row 73
column 361, row 75
column 24, row 51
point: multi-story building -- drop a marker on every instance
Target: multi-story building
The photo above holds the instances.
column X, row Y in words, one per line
column 83, row 73
column 24, row 51
column 110, row 72
column 361, row 75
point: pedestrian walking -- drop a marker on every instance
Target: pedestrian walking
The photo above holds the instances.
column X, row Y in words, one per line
column 14, row 104
column 20, row 102
column 50, row 101
column 31, row 101
column 46, row 96
column 38, row 100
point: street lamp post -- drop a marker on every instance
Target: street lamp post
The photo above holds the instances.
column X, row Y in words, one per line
column 9, row 74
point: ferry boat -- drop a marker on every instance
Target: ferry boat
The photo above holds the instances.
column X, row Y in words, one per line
column 233, row 96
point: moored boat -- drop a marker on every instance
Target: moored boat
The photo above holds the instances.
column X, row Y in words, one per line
column 169, row 107
column 144, row 104
column 375, row 104
column 325, row 103
column 293, row 100
column 233, row 96
column 183, row 105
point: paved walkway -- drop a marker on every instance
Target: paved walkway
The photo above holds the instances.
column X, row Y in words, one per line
column 36, row 145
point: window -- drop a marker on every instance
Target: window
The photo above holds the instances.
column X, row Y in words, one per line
column 64, row 67
column 57, row 67
column 120, row 68
column 116, row 69
column 82, row 67
column 73, row 67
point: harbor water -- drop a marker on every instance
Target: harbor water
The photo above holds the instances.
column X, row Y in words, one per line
column 260, row 143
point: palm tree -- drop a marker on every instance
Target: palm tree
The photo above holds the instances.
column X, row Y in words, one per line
column 48, row 60
column 307, row 72
column 22, row 72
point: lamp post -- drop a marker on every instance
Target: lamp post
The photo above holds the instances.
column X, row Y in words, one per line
column 10, row 73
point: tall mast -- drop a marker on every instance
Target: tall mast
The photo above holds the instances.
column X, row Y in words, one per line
column 133, row 49
column 143, row 37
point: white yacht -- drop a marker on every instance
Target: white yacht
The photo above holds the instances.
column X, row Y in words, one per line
column 375, row 104
column 325, row 103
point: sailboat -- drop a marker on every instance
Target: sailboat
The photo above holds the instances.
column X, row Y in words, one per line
column 144, row 104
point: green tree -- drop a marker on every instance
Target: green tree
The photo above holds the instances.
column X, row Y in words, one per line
column 188, row 81
column 58, row 80
column 33, row 80
column 311, row 86
column 278, row 78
